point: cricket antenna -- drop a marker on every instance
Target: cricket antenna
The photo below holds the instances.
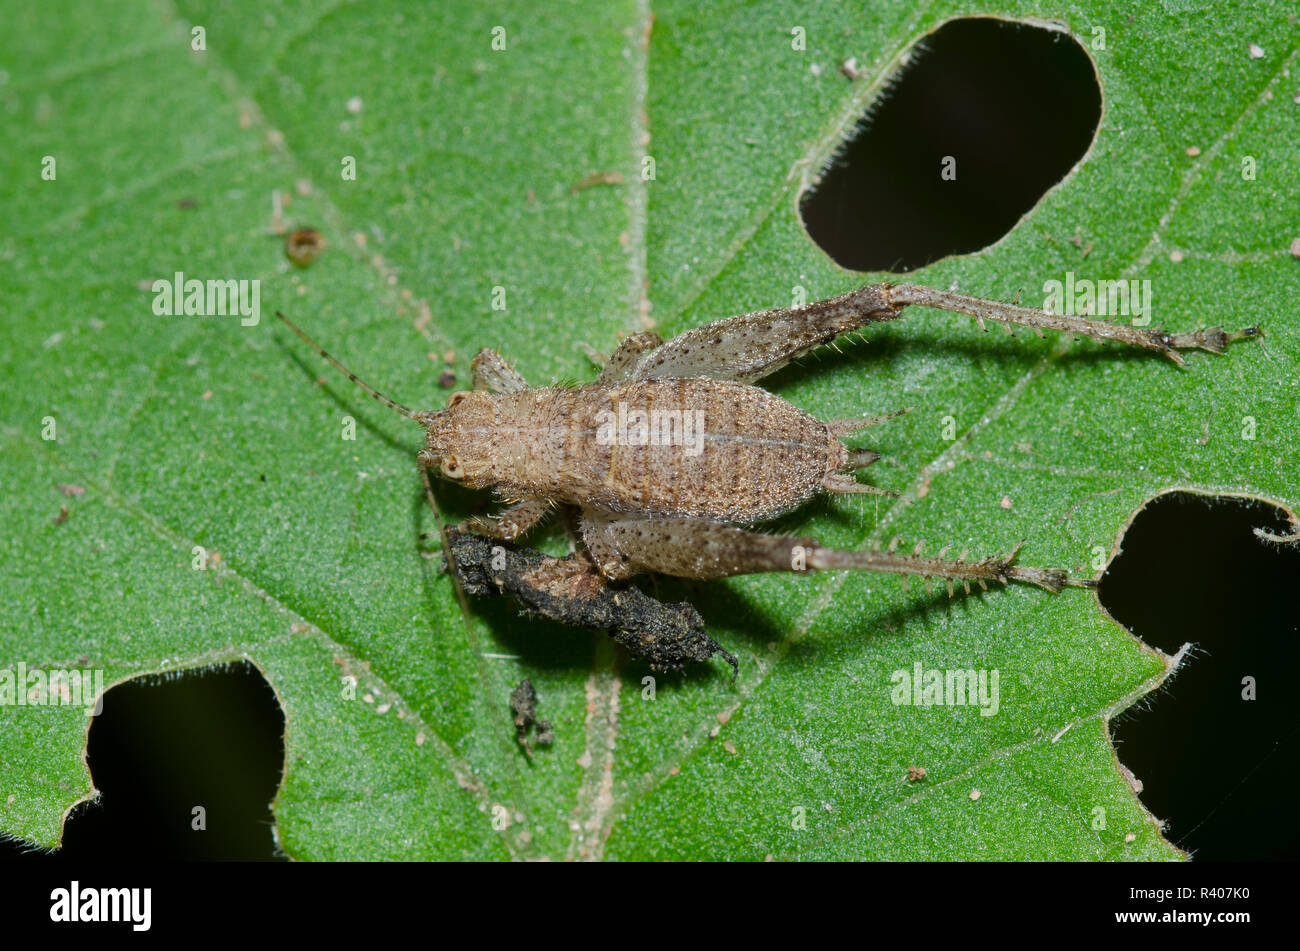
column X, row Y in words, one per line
column 391, row 404
column 424, row 471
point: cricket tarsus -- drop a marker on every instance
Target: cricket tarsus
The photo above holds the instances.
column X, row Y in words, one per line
column 623, row 547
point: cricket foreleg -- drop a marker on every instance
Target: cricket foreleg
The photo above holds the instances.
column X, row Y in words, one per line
column 689, row 548
column 433, row 505
column 513, row 522
column 491, row 372
column 510, row 524
column 751, row 346
column 1213, row 339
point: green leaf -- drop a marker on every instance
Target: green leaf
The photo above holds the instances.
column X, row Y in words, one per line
column 198, row 431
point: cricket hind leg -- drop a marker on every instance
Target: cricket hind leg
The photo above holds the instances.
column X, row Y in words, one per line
column 623, row 361
column 751, row 346
column 1213, row 339
column 444, row 536
column 689, row 548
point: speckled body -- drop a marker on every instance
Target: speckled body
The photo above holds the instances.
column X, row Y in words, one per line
column 680, row 505
column 732, row 452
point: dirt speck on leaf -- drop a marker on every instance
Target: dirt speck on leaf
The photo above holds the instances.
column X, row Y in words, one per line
column 594, row 179
column 304, row 246
column 523, row 704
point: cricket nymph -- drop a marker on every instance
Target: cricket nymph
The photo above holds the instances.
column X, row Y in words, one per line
column 673, row 454
column 684, row 448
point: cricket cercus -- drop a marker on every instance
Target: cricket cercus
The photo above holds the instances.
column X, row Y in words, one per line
column 688, row 506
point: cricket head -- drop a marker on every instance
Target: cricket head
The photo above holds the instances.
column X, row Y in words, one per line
column 462, row 437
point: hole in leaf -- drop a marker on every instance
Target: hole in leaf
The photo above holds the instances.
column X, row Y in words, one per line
column 1220, row 769
column 159, row 748
column 988, row 116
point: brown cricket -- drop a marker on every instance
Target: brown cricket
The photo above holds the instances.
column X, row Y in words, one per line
column 710, row 454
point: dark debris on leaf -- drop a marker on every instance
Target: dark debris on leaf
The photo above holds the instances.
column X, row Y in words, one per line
column 523, row 704
column 569, row 590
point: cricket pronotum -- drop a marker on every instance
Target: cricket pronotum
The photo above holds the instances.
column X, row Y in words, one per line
column 682, row 497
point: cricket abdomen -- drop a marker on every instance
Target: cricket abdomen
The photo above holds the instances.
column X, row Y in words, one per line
column 677, row 447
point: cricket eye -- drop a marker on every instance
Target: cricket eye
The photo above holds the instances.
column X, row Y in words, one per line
column 451, row 467
column 457, row 398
